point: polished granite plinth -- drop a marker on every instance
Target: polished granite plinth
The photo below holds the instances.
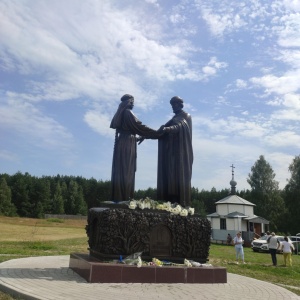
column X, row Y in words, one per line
column 94, row 271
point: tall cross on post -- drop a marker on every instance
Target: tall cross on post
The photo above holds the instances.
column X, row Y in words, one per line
column 232, row 182
column 232, row 171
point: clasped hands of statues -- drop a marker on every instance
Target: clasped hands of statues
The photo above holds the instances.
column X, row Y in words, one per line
column 162, row 130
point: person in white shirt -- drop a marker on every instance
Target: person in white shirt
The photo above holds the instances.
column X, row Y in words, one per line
column 287, row 249
column 274, row 244
column 238, row 245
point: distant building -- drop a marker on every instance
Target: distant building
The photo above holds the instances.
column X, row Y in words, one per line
column 234, row 214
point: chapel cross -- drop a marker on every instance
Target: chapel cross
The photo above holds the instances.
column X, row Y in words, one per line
column 232, row 171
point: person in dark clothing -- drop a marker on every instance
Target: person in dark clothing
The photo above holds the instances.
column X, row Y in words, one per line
column 274, row 245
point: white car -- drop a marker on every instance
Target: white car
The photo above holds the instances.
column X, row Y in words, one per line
column 296, row 241
column 261, row 244
column 257, row 243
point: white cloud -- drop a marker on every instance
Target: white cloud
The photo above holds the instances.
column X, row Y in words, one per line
column 8, row 156
column 277, row 101
column 292, row 101
column 177, row 18
column 232, row 127
column 291, row 57
column 280, row 162
column 292, row 4
column 284, row 139
column 250, row 64
column 212, row 67
column 99, row 123
column 286, row 114
column 79, row 58
column 32, row 125
column 287, row 83
column 219, row 23
column 152, row 2
column 289, row 35
column 241, row 84
column 209, row 71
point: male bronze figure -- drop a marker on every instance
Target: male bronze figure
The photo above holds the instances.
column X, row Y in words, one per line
column 175, row 157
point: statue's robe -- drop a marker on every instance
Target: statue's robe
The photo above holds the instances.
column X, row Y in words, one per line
column 175, row 160
column 125, row 154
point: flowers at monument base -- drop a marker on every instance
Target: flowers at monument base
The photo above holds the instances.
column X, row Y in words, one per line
column 160, row 207
column 191, row 210
column 148, row 203
column 167, row 206
column 184, row 212
column 187, row 263
column 157, row 262
column 133, row 259
column 141, row 205
column 136, row 260
column 176, row 210
column 139, row 262
column 132, row 204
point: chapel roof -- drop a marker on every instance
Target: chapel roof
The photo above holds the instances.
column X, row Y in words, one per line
column 257, row 219
column 234, row 199
column 236, row 214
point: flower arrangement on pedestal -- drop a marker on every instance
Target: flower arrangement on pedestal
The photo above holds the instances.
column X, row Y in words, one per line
column 148, row 203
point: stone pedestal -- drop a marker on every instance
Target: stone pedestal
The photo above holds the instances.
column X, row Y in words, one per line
column 94, row 271
column 115, row 231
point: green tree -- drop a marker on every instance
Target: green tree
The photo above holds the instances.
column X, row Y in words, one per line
column 58, row 201
column 40, row 197
column 90, row 192
column 199, row 207
column 209, row 198
column 103, row 191
column 80, row 204
column 75, row 202
column 20, row 187
column 292, row 197
column 265, row 192
column 150, row 193
column 7, row 208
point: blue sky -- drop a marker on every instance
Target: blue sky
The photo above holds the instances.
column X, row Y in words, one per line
column 64, row 65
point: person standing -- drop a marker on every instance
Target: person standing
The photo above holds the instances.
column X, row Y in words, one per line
column 175, row 157
column 274, row 245
column 239, row 249
column 287, row 249
column 229, row 239
column 124, row 156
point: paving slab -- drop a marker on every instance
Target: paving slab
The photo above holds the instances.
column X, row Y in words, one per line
column 50, row 278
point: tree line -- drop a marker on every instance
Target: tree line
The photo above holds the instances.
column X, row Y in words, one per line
column 30, row 196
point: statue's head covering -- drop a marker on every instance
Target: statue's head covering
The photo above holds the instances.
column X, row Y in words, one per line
column 177, row 99
column 126, row 97
column 116, row 122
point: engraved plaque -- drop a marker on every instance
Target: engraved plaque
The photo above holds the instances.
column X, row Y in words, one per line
column 160, row 241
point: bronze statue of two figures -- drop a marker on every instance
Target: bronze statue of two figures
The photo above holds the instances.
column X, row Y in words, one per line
column 114, row 229
column 175, row 153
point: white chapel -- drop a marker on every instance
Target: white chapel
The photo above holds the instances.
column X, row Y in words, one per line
column 234, row 214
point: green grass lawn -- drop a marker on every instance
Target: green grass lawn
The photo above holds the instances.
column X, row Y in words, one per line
column 258, row 265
